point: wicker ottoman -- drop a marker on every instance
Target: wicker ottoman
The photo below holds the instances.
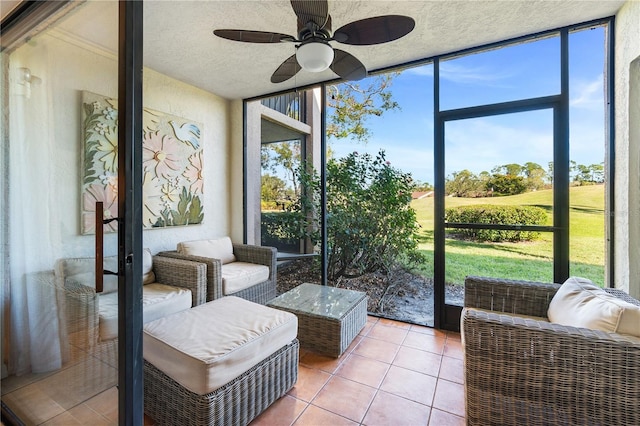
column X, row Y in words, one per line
column 220, row 363
column 329, row 318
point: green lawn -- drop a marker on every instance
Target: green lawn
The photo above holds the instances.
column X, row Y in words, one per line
column 528, row 261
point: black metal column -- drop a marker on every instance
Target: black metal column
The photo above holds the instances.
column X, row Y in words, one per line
column 438, row 203
column 561, row 182
column 130, row 386
column 323, row 180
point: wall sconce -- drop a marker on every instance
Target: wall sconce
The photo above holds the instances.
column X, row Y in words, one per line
column 24, row 80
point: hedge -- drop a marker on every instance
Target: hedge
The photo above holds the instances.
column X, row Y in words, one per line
column 503, row 215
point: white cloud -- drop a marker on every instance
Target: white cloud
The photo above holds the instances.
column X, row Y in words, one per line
column 456, row 73
column 589, row 95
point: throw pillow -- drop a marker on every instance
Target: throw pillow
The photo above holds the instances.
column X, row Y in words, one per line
column 580, row 303
column 221, row 248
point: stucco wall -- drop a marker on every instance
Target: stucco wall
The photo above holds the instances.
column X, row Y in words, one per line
column 627, row 120
column 67, row 67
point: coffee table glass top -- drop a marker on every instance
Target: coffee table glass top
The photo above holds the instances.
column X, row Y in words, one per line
column 318, row 300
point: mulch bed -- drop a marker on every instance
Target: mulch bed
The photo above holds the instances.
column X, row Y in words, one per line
column 398, row 295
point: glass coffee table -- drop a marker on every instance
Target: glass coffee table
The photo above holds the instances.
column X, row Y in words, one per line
column 329, row 318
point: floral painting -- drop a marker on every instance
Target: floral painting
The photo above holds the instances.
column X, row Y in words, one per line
column 172, row 186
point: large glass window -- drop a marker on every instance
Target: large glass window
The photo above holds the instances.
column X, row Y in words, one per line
column 62, row 154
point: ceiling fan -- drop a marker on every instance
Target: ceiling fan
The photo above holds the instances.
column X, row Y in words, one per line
column 314, row 53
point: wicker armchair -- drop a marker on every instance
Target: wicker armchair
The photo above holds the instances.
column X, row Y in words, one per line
column 81, row 304
column 522, row 369
column 258, row 293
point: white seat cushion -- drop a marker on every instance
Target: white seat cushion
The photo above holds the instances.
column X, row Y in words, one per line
column 206, row 347
column 238, row 276
column 579, row 303
column 158, row 300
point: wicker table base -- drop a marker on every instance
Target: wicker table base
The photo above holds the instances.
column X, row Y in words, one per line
column 236, row 403
column 329, row 318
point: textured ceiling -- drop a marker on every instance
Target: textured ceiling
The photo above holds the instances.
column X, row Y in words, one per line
column 179, row 40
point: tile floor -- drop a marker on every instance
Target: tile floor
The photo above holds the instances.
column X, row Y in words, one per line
column 392, row 374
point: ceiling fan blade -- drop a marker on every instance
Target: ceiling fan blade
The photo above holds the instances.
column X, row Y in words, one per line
column 347, row 66
column 286, row 70
column 376, row 30
column 311, row 10
column 253, row 36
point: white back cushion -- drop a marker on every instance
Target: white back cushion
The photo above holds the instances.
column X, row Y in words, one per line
column 220, row 248
column 580, row 303
column 81, row 270
column 148, row 276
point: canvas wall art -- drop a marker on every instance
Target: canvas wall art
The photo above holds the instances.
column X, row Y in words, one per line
column 172, row 186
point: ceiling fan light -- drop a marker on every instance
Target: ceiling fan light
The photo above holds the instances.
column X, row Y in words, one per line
column 314, row 56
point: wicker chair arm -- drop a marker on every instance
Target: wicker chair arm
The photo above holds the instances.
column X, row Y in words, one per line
column 213, row 274
column 545, row 369
column 510, row 296
column 182, row 273
column 261, row 255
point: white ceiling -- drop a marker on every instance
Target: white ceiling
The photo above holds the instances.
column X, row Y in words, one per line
column 179, row 40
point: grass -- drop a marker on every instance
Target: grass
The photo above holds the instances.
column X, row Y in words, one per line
column 527, row 261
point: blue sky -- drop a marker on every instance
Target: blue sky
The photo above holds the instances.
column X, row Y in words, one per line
column 517, row 72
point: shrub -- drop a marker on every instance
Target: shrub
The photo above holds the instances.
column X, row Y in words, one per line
column 503, row 215
column 370, row 223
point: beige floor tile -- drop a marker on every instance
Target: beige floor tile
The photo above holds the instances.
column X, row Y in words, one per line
column 387, row 333
column 32, row 405
column 441, row 418
column 449, row 397
column 283, row 412
column 389, row 409
column 452, row 369
column 418, row 360
column 309, row 383
column 316, row 416
column 377, row 349
column 410, row 384
column 425, row 342
column 363, row 370
column 345, row 398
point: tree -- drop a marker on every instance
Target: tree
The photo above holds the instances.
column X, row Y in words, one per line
column 284, row 154
column 352, row 104
column 597, row 172
column 274, row 190
column 463, row 184
column 511, row 169
column 422, row 186
column 508, row 184
column 534, row 175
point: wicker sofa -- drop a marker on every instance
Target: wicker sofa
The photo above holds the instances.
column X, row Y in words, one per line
column 238, row 256
column 522, row 369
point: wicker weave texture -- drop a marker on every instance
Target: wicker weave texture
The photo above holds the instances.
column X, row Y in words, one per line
column 330, row 336
column 519, row 370
column 259, row 293
column 236, row 403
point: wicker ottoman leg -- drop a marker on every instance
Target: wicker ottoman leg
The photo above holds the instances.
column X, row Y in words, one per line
column 236, row 403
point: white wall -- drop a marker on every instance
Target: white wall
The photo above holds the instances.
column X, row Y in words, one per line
column 47, row 153
column 627, row 147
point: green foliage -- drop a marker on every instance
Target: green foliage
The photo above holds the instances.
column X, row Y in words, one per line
column 189, row 212
column 281, row 229
column 371, row 224
column 352, row 104
column 507, row 184
column 496, row 214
